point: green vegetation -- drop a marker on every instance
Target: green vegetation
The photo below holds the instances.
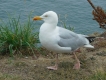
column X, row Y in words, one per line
column 9, row 77
column 16, row 37
column 63, row 22
column 98, row 75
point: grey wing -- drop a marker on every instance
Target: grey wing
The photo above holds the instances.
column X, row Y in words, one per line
column 66, row 34
column 68, row 39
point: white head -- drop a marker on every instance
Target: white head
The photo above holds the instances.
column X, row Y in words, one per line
column 48, row 17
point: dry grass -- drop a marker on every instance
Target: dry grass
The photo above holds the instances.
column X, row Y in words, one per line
column 28, row 68
column 93, row 66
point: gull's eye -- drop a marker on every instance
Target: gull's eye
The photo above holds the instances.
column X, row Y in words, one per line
column 46, row 15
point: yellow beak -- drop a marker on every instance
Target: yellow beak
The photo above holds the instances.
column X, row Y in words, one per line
column 37, row 18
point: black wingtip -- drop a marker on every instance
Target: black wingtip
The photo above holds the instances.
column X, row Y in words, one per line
column 91, row 39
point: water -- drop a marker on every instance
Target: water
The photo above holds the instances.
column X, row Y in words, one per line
column 77, row 12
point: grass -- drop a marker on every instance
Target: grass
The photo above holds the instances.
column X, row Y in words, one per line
column 8, row 77
column 63, row 23
column 99, row 74
column 21, row 68
column 16, row 37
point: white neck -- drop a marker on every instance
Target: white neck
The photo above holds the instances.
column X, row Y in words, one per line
column 47, row 27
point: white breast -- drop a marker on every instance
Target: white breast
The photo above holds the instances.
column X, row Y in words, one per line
column 49, row 39
column 47, row 36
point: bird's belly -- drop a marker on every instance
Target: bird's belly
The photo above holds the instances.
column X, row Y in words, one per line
column 50, row 42
column 52, row 46
column 47, row 44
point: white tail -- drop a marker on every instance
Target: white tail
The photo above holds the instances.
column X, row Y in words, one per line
column 88, row 46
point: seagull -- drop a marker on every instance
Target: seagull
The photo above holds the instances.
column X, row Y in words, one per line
column 60, row 40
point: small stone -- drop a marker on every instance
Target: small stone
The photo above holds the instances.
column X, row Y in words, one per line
column 26, row 57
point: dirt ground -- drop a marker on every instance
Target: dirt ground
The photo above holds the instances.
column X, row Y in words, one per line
column 23, row 67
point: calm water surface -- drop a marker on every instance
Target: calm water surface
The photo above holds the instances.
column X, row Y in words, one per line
column 77, row 12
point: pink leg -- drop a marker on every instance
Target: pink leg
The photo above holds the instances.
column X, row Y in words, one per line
column 77, row 64
column 78, row 50
column 55, row 67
